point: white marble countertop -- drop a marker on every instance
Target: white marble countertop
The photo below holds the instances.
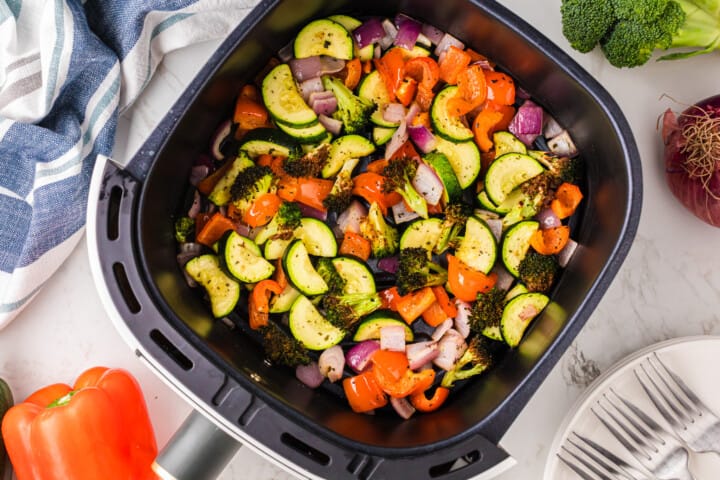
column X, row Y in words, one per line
column 667, row 287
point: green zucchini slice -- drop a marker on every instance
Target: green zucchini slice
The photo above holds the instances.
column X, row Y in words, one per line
column 370, row 328
column 324, row 37
column 516, row 243
column 283, row 99
column 449, row 127
column 518, row 313
column 300, row 271
column 507, row 172
column 310, row 328
column 478, row 248
column 224, row 292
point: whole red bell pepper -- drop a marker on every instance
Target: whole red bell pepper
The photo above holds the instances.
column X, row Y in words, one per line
column 98, row 429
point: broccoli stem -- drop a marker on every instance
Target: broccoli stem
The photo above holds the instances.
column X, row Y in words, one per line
column 700, row 28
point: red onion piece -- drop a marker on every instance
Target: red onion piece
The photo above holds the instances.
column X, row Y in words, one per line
column 428, row 184
column 412, row 112
column 496, row 227
column 394, row 112
column 350, row 218
column 308, row 211
column 504, row 278
column 390, row 34
column 441, row 329
column 396, row 141
column 433, row 33
column 369, row 32
column 462, row 319
column 315, row 66
column 323, row 103
column 408, row 31
column 548, row 219
column 452, row 345
column 402, row 406
column 422, row 138
column 195, row 207
column 309, row 375
column 332, row 125
column 421, row 354
column 562, row 145
column 527, row 123
column 445, row 42
column 402, row 214
column 332, row 362
column 358, row 357
column 219, row 137
column 309, row 86
column 197, row 173
column 389, row 264
column 551, row 128
column 564, row 256
column 286, row 53
column 392, row 337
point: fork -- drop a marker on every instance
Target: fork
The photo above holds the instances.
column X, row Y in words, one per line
column 688, row 416
column 650, row 443
column 594, row 458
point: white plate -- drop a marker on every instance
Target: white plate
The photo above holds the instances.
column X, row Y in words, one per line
column 695, row 359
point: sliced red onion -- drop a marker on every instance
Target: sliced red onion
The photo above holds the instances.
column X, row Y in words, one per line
column 389, row 264
column 504, row 278
column 424, row 41
column 566, row 253
column 412, row 112
column 423, row 138
column 402, row 214
column 195, row 207
column 308, row 211
column 562, row 145
column 527, row 123
column 315, row 66
column 332, row 362
column 428, row 184
column 441, row 329
column 323, row 103
column 309, row 374
column 548, row 219
column 397, row 140
column 219, row 137
column 332, row 125
column 377, row 53
column 421, row 354
column 309, row 86
column 358, row 357
column 452, row 346
column 462, row 319
column 349, row 220
column 369, row 32
column 496, row 227
column 551, row 128
column 403, row 407
column 245, row 230
column 197, row 173
column 287, row 52
column 394, row 112
column 408, row 31
column 390, row 34
column 445, row 42
column 433, row 33
column 392, row 337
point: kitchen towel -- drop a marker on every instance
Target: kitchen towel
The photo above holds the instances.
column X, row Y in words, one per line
column 68, row 68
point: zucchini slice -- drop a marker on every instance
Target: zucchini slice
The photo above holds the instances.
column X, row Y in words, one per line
column 283, row 302
column 343, row 149
column 242, row 258
column 310, row 134
column 269, row 141
column 518, row 289
column 283, row 99
column 464, row 157
column 356, row 274
column 324, row 37
column 275, row 248
column 382, row 135
column 478, row 248
column 507, row 172
column 310, row 328
column 378, row 117
column 300, row 271
column 373, row 88
column 512, row 199
column 318, row 238
column 369, row 329
column 516, row 244
column 423, row 233
column 506, row 142
column 350, row 24
column 518, row 313
column 224, row 292
column 220, row 194
column 449, row 127
column 438, row 161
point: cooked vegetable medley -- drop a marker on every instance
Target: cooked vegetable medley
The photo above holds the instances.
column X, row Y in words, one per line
column 391, row 209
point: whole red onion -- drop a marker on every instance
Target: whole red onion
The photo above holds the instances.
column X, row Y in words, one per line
column 692, row 158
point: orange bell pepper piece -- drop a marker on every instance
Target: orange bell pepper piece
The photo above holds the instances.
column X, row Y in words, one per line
column 206, row 185
column 371, row 187
column 405, row 92
column 465, row 282
column 214, row 229
column 567, row 198
column 389, row 298
column 472, row 91
column 312, row 191
column 424, row 404
column 453, row 62
column 259, row 303
column 443, row 299
column 434, row 315
column 393, row 375
column 411, row 306
column 262, row 210
column 391, row 67
column 550, row 240
column 356, row 245
column 100, row 428
column 363, row 393
column 250, row 112
column 483, row 126
column 501, row 88
column 353, row 71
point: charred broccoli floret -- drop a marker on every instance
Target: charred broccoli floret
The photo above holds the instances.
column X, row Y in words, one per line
column 340, row 195
column 283, row 224
column 538, row 271
column 354, row 112
column 456, row 215
column 476, row 359
column 416, row 270
column 184, row 229
column 249, row 185
column 399, row 173
column 561, row 169
column 487, row 311
column 384, row 238
column 283, row 349
column 308, row 165
column 345, row 310
column 329, row 273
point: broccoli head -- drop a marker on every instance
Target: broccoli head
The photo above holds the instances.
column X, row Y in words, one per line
column 399, row 173
column 538, row 271
column 456, row 215
column 283, row 224
column 384, row 238
column 340, row 195
column 184, row 229
column 487, row 311
column 476, row 359
column 345, row 310
column 328, row 272
column 249, row 185
column 308, row 165
column 354, row 112
column 561, row 169
column 282, row 348
column 416, row 270
column 585, row 22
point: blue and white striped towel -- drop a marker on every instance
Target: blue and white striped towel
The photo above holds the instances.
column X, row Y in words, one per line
column 67, row 69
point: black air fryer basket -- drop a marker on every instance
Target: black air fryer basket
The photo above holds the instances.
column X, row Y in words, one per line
column 221, row 371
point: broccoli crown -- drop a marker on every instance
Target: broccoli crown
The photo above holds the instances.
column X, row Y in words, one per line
column 476, row 359
column 340, row 195
column 384, row 238
column 399, row 173
column 540, row 189
column 487, row 310
column 538, row 271
column 456, row 215
column 283, row 349
column 345, row 310
column 585, row 22
column 308, row 165
column 416, row 271
column 184, row 228
column 354, row 112
column 562, row 169
column 251, row 182
column 326, row 269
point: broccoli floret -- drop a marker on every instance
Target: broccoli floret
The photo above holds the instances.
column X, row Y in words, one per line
column 283, row 349
column 308, row 165
column 250, row 184
column 354, row 112
column 384, row 238
column 629, row 31
column 416, row 270
column 399, row 173
column 184, row 229
column 538, row 271
column 487, row 310
column 340, row 195
column 476, row 359
column 283, row 224
column 456, row 215
column 329, row 273
column 561, row 169
column 345, row 310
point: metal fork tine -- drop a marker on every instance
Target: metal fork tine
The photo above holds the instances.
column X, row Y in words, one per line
column 621, row 437
column 654, row 392
column 697, row 403
column 652, row 424
column 586, row 464
column 611, row 462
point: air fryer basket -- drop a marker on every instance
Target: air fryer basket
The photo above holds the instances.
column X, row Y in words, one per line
column 221, row 370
